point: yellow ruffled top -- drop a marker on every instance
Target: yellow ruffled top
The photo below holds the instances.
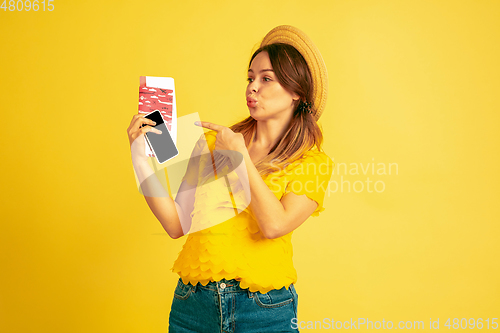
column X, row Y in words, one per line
column 225, row 240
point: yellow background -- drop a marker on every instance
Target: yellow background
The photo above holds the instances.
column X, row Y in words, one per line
column 411, row 82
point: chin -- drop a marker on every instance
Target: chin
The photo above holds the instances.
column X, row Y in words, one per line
column 255, row 115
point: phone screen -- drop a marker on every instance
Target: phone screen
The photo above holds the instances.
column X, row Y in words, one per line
column 162, row 144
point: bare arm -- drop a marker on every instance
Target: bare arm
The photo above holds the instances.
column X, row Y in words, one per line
column 174, row 216
column 275, row 218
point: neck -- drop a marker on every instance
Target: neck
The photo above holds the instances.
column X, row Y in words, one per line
column 270, row 131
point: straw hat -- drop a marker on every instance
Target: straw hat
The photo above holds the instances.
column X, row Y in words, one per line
column 292, row 36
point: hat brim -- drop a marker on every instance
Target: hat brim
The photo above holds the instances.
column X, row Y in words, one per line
column 292, row 36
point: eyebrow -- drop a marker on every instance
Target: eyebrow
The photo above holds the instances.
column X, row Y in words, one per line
column 264, row 70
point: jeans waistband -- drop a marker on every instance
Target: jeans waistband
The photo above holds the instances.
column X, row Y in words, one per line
column 222, row 286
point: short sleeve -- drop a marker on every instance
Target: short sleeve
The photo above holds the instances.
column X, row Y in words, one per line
column 311, row 176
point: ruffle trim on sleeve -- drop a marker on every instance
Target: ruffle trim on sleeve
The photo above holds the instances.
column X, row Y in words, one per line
column 318, row 209
column 316, row 157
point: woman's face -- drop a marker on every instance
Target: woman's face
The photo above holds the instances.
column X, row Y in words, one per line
column 266, row 97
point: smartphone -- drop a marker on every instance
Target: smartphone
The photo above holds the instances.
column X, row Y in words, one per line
column 162, row 144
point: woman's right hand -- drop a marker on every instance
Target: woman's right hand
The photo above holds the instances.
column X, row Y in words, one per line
column 135, row 133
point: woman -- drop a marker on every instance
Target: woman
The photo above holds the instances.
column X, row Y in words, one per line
column 238, row 276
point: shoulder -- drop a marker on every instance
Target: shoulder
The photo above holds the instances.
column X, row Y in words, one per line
column 310, row 164
column 314, row 156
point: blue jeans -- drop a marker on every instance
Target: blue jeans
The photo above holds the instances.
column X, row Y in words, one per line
column 224, row 307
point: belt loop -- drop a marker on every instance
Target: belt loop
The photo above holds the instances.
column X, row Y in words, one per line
column 194, row 287
column 250, row 294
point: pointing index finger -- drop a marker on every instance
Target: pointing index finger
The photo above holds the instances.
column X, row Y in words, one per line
column 208, row 125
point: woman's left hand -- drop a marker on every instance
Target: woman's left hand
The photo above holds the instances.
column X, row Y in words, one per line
column 226, row 139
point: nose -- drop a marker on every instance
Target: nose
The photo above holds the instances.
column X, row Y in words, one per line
column 253, row 86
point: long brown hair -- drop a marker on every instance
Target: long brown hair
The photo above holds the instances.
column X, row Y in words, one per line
column 303, row 134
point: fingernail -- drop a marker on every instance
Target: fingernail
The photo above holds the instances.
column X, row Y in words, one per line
column 197, row 123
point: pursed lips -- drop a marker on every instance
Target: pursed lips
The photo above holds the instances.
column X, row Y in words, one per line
column 251, row 102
